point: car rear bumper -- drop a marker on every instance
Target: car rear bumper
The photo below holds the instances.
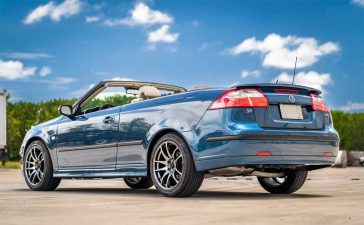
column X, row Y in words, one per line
column 290, row 150
column 275, row 137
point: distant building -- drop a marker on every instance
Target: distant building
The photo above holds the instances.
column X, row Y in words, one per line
column 3, row 95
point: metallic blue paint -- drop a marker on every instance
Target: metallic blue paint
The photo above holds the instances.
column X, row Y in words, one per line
column 84, row 146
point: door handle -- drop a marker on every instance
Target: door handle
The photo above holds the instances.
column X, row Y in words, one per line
column 108, row 119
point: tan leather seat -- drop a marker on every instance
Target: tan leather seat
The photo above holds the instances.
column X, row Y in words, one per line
column 148, row 92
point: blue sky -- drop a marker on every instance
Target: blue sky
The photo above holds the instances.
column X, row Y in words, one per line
column 52, row 49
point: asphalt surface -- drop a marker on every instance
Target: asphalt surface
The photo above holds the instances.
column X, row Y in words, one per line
column 329, row 196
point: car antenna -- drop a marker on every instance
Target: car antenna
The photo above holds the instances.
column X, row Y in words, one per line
column 294, row 70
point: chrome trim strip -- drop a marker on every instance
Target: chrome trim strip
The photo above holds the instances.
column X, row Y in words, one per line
column 125, row 143
column 87, row 147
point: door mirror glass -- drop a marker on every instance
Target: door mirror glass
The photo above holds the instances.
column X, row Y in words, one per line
column 65, row 110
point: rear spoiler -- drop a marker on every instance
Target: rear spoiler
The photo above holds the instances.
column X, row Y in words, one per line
column 270, row 85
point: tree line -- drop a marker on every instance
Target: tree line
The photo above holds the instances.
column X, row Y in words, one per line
column 21, row 116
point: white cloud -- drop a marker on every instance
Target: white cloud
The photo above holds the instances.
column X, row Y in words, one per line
column 26, row 55
column 142, row 15
column 358, row 2
column 45, row 70
column 353, row 107
column 63, row 80
column 113, row 22
column 53, row 11
column 99, row 6
column 253, row 73
column 162, row 34
column 12, row 70
column 281, row 51
column 58, row 83
column 195, row 23
column 309, row 79
column 203, row 47
column 92, row 19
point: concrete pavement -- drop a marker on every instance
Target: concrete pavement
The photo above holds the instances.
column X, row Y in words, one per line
column 329, row 196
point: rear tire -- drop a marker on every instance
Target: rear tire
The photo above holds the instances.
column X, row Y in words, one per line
column 38, row 168
column 292, row 182
column 172, row 168
column 139, row 182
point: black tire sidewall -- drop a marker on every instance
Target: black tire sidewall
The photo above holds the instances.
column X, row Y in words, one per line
column 294, row 181
column 187, row 167
column 48, row 167
column 143, row 183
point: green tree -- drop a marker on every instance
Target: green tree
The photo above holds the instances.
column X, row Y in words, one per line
column 350, row 127
column 21, row 116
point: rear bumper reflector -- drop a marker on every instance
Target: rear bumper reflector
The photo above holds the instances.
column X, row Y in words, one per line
column 264, row 154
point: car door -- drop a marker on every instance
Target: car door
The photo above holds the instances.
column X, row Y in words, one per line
column 88, row 141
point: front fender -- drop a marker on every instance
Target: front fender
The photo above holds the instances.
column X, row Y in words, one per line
column 46, row 133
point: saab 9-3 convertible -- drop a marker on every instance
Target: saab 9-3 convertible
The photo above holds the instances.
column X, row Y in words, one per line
column 163, row 135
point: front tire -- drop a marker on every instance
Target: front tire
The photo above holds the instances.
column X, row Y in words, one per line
column 138, row 182
column 38, row 168
column 292, row 182
column 172, row 168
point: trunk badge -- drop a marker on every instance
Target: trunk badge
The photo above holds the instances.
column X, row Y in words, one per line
column 291, row 98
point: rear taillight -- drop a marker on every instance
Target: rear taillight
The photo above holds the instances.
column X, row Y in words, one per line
column 318, row 104
column 240, row 98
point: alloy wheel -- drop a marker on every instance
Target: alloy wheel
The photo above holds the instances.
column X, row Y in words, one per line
column 276, row 181
column 34, row 165
column 168, row 165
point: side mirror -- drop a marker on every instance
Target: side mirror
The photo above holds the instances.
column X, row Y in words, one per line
column 65, row 110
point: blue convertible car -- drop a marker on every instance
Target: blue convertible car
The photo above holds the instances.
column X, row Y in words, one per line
column 162, row 135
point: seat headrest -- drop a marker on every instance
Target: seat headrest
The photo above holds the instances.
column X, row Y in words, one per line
column 147, row 92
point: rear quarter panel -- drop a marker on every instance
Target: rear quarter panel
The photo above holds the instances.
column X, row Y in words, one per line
column 180, row 112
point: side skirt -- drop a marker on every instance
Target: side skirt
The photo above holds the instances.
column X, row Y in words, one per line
column 102, row 173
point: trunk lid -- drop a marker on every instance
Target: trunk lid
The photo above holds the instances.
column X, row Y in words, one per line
column 290, row 107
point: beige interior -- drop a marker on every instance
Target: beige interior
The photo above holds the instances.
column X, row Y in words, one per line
column 148, row 92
